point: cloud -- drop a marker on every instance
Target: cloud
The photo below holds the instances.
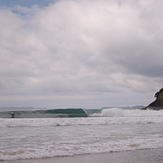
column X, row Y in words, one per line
column 80, row 48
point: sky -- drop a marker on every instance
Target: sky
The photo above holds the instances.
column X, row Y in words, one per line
column 80, row 53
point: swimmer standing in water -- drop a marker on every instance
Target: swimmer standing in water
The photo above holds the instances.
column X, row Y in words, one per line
column 12, row 115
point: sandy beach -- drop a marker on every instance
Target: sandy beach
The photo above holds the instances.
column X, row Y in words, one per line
column 136, row 156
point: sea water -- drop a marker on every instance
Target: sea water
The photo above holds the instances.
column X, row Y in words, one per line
column 110, row 130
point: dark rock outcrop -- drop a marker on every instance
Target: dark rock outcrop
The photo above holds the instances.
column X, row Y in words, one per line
column 158, row 103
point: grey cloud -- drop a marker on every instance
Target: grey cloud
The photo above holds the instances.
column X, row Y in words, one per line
column 75, row 48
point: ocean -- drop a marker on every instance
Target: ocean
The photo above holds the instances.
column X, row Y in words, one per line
column 69, row 132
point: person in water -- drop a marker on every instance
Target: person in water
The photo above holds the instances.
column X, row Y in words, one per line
column 12, row 115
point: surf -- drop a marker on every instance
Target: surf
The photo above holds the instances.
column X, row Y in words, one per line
column 51, row 113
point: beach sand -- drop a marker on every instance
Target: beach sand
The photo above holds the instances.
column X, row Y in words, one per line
column 137, row 156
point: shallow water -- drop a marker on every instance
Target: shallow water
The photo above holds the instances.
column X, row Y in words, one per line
column 136, row 156
column 52, row 137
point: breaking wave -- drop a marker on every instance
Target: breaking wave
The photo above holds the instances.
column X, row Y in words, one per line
column 118, row 112
column 53, row 113
column 79, row 112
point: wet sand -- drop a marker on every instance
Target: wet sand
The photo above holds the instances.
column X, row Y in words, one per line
column 137, row 156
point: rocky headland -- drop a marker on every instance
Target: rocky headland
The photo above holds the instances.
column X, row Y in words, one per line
column 158, row 103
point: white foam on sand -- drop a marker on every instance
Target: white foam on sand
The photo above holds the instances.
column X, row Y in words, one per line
column 138, row 156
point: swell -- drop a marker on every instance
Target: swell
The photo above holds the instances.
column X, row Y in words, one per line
column 53, row 113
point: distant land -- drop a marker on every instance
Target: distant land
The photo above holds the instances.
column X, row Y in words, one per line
column 20, row 108
column 125, row 107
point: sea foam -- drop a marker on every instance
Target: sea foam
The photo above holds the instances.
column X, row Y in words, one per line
column 118, row 112
column 111, row 130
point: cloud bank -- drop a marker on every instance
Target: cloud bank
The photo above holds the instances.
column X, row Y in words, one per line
column 81, row 53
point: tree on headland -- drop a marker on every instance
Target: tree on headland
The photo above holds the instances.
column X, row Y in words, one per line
column 161, row 90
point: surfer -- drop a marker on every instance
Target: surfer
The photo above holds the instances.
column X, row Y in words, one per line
column 12, row 115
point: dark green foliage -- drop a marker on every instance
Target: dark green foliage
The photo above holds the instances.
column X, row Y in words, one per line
column 156, row 95
column 161, row 90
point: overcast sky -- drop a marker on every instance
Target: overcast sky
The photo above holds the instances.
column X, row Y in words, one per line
column 80, row 53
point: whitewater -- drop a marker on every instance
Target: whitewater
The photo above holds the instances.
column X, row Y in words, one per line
column 109, row 130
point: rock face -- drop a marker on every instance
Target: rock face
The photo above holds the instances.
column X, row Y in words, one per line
column 158, row 103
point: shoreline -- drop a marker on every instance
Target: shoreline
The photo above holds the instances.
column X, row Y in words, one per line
column 135, row 156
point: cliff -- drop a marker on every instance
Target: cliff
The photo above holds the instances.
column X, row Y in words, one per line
column 158, row 103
